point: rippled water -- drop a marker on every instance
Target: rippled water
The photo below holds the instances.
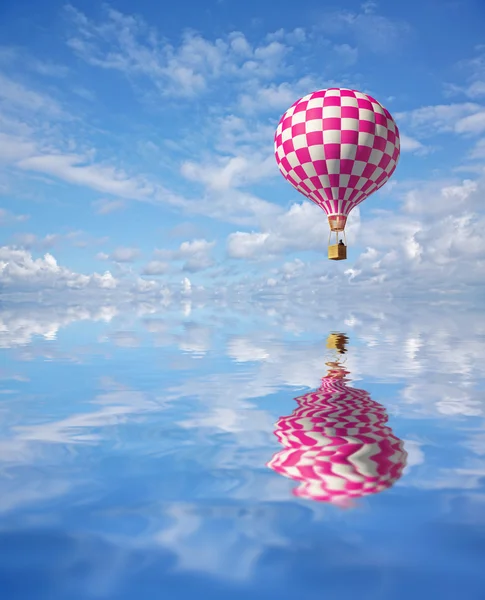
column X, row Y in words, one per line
column 241, row 453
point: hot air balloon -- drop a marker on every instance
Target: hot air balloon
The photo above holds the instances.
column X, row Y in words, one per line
column 337, row 443
column 337, row 147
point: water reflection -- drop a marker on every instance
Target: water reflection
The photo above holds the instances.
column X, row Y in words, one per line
column 337, row 442
column 133, row 451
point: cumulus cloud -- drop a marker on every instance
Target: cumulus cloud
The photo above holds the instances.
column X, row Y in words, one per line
column 420, row 249
column 422, row 246
column 195, row 254
column 303, row 227
column 454, row 197
column 20, row 271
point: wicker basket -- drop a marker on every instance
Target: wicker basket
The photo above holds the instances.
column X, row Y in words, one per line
column 337, row 252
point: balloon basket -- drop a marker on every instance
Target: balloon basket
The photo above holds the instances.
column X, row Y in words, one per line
column 337, row 252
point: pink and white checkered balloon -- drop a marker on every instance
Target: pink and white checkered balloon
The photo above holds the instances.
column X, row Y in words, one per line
column 337, row 444
column 337, row 147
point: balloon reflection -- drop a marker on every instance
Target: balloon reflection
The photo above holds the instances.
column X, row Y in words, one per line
column 337, row 442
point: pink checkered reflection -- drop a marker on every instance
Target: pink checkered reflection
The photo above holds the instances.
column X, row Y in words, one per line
column 337, row 146
column 337, row 444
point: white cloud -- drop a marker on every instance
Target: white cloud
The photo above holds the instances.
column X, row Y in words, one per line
column 196, row 255
column 424, row 257
column 474, row 124
column 237, row 135
column 445, row 198
column 246, row 245
column 432, row 244
column 188, row 249
column 19, row 98
column 474, row 69
column 27, row 148
column 20, row 271
column 106, row 207
column 7, row 217
column 78, row 239
column 303, row 227
column 20, row 59
column 369, row 7
column 125, row 255
column 409, row 144
column 156, row 267
column 476, row 89
column 30, row 240
column 14, row 147
column 421, row 249
column 236, row 206
column 103, row 178
column 277, row 97
column 38, row 136
column 465, row 117
column 127, row 44
column 371, row 31
column 243, row 157
column 230, row 172
column 346, row 54
column 478, row 151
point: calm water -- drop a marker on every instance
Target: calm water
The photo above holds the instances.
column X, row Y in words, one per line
column 211, row 452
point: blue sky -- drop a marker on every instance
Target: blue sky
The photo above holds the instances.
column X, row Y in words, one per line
column 138, row 140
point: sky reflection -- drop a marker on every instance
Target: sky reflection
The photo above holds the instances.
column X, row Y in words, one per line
column 134, row 452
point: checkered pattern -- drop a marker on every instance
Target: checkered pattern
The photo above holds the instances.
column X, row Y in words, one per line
column 337, row 444
column 337, row 146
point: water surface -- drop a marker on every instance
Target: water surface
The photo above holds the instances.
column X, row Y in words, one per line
column 241, row 453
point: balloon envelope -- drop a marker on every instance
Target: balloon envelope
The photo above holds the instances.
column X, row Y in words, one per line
column 337, row 146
